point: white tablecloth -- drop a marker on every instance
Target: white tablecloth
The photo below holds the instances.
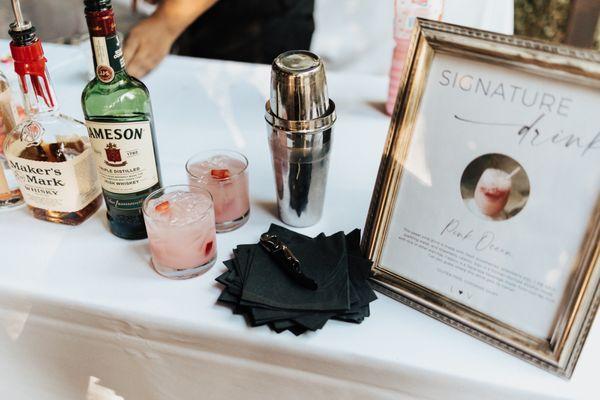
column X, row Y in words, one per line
column 83, row 316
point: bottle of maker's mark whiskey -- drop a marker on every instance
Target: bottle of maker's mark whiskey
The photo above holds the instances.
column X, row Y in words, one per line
column 49, row 153
column 119, row 121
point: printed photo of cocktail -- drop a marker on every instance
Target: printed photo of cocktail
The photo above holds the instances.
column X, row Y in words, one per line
column 494, row 187
column 492, row 191
column 180, row 221
column 224, row 173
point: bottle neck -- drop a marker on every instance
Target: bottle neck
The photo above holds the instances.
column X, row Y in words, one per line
column 106, row 46
column 38, row 95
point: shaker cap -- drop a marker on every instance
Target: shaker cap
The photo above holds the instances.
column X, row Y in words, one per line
column 298, row 86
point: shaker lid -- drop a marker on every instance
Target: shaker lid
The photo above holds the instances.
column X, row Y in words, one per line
column 297, row 61
column 298, row 87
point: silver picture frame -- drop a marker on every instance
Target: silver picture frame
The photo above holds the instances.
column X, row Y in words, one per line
column 557, row 354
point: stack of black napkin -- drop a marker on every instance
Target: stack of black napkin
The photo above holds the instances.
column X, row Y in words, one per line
column 259, row 288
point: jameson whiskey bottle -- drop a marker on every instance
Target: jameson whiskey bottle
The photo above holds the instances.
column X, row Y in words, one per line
column 118, row 117
column 48, row 152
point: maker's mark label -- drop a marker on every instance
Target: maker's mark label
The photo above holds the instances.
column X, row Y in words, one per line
column 67, row 186
column 124, row 155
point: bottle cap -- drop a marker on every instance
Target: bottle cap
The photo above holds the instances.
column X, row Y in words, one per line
column 97, row 5
column 22, row 35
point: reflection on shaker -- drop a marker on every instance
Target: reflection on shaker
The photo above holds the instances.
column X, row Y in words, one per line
column 299, row 187
column 300, row 118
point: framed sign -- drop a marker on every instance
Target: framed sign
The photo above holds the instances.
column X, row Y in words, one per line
column 486, row 210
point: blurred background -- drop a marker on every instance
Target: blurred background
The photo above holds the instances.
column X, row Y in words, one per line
column 353, row 34
column 573, row 22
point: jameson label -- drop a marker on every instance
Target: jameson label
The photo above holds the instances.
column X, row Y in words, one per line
column 124, row 155
column 55, row 186
column 108, row 57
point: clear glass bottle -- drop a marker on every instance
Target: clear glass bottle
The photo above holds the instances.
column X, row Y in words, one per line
column 49, row 152
column 120, row 125
column 10, row 195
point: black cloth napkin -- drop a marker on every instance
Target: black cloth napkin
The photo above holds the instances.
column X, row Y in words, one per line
column 258, row 288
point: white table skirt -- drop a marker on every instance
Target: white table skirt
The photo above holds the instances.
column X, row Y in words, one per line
column 83, row 316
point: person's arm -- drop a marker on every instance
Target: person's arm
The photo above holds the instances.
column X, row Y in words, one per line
column 150, row 40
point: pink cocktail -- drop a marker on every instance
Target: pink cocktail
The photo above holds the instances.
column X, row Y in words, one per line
column 225, row 175
column 180, row 221
column 492, row 192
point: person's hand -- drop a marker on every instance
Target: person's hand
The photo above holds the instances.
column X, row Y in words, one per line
column 147, row 44
column 150, row 40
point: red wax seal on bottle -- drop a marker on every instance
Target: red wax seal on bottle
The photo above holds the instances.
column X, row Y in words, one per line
column 101, row 23
column 29, row 60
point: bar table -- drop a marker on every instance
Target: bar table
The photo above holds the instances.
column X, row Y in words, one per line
column 83, row 315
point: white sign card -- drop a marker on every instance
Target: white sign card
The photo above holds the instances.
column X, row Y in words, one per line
column 506, row 164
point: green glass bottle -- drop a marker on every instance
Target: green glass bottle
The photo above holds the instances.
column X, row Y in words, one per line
column 119, row 121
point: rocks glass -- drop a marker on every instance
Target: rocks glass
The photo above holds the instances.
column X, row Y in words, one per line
column 180, row 221
column 224, row 173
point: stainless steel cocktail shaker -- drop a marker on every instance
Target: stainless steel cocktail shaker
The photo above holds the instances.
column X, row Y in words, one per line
column 300, row 118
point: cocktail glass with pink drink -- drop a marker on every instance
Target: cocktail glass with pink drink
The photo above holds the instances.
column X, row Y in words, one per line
column 224, row 173
column 492, row 192
column 180, row 221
